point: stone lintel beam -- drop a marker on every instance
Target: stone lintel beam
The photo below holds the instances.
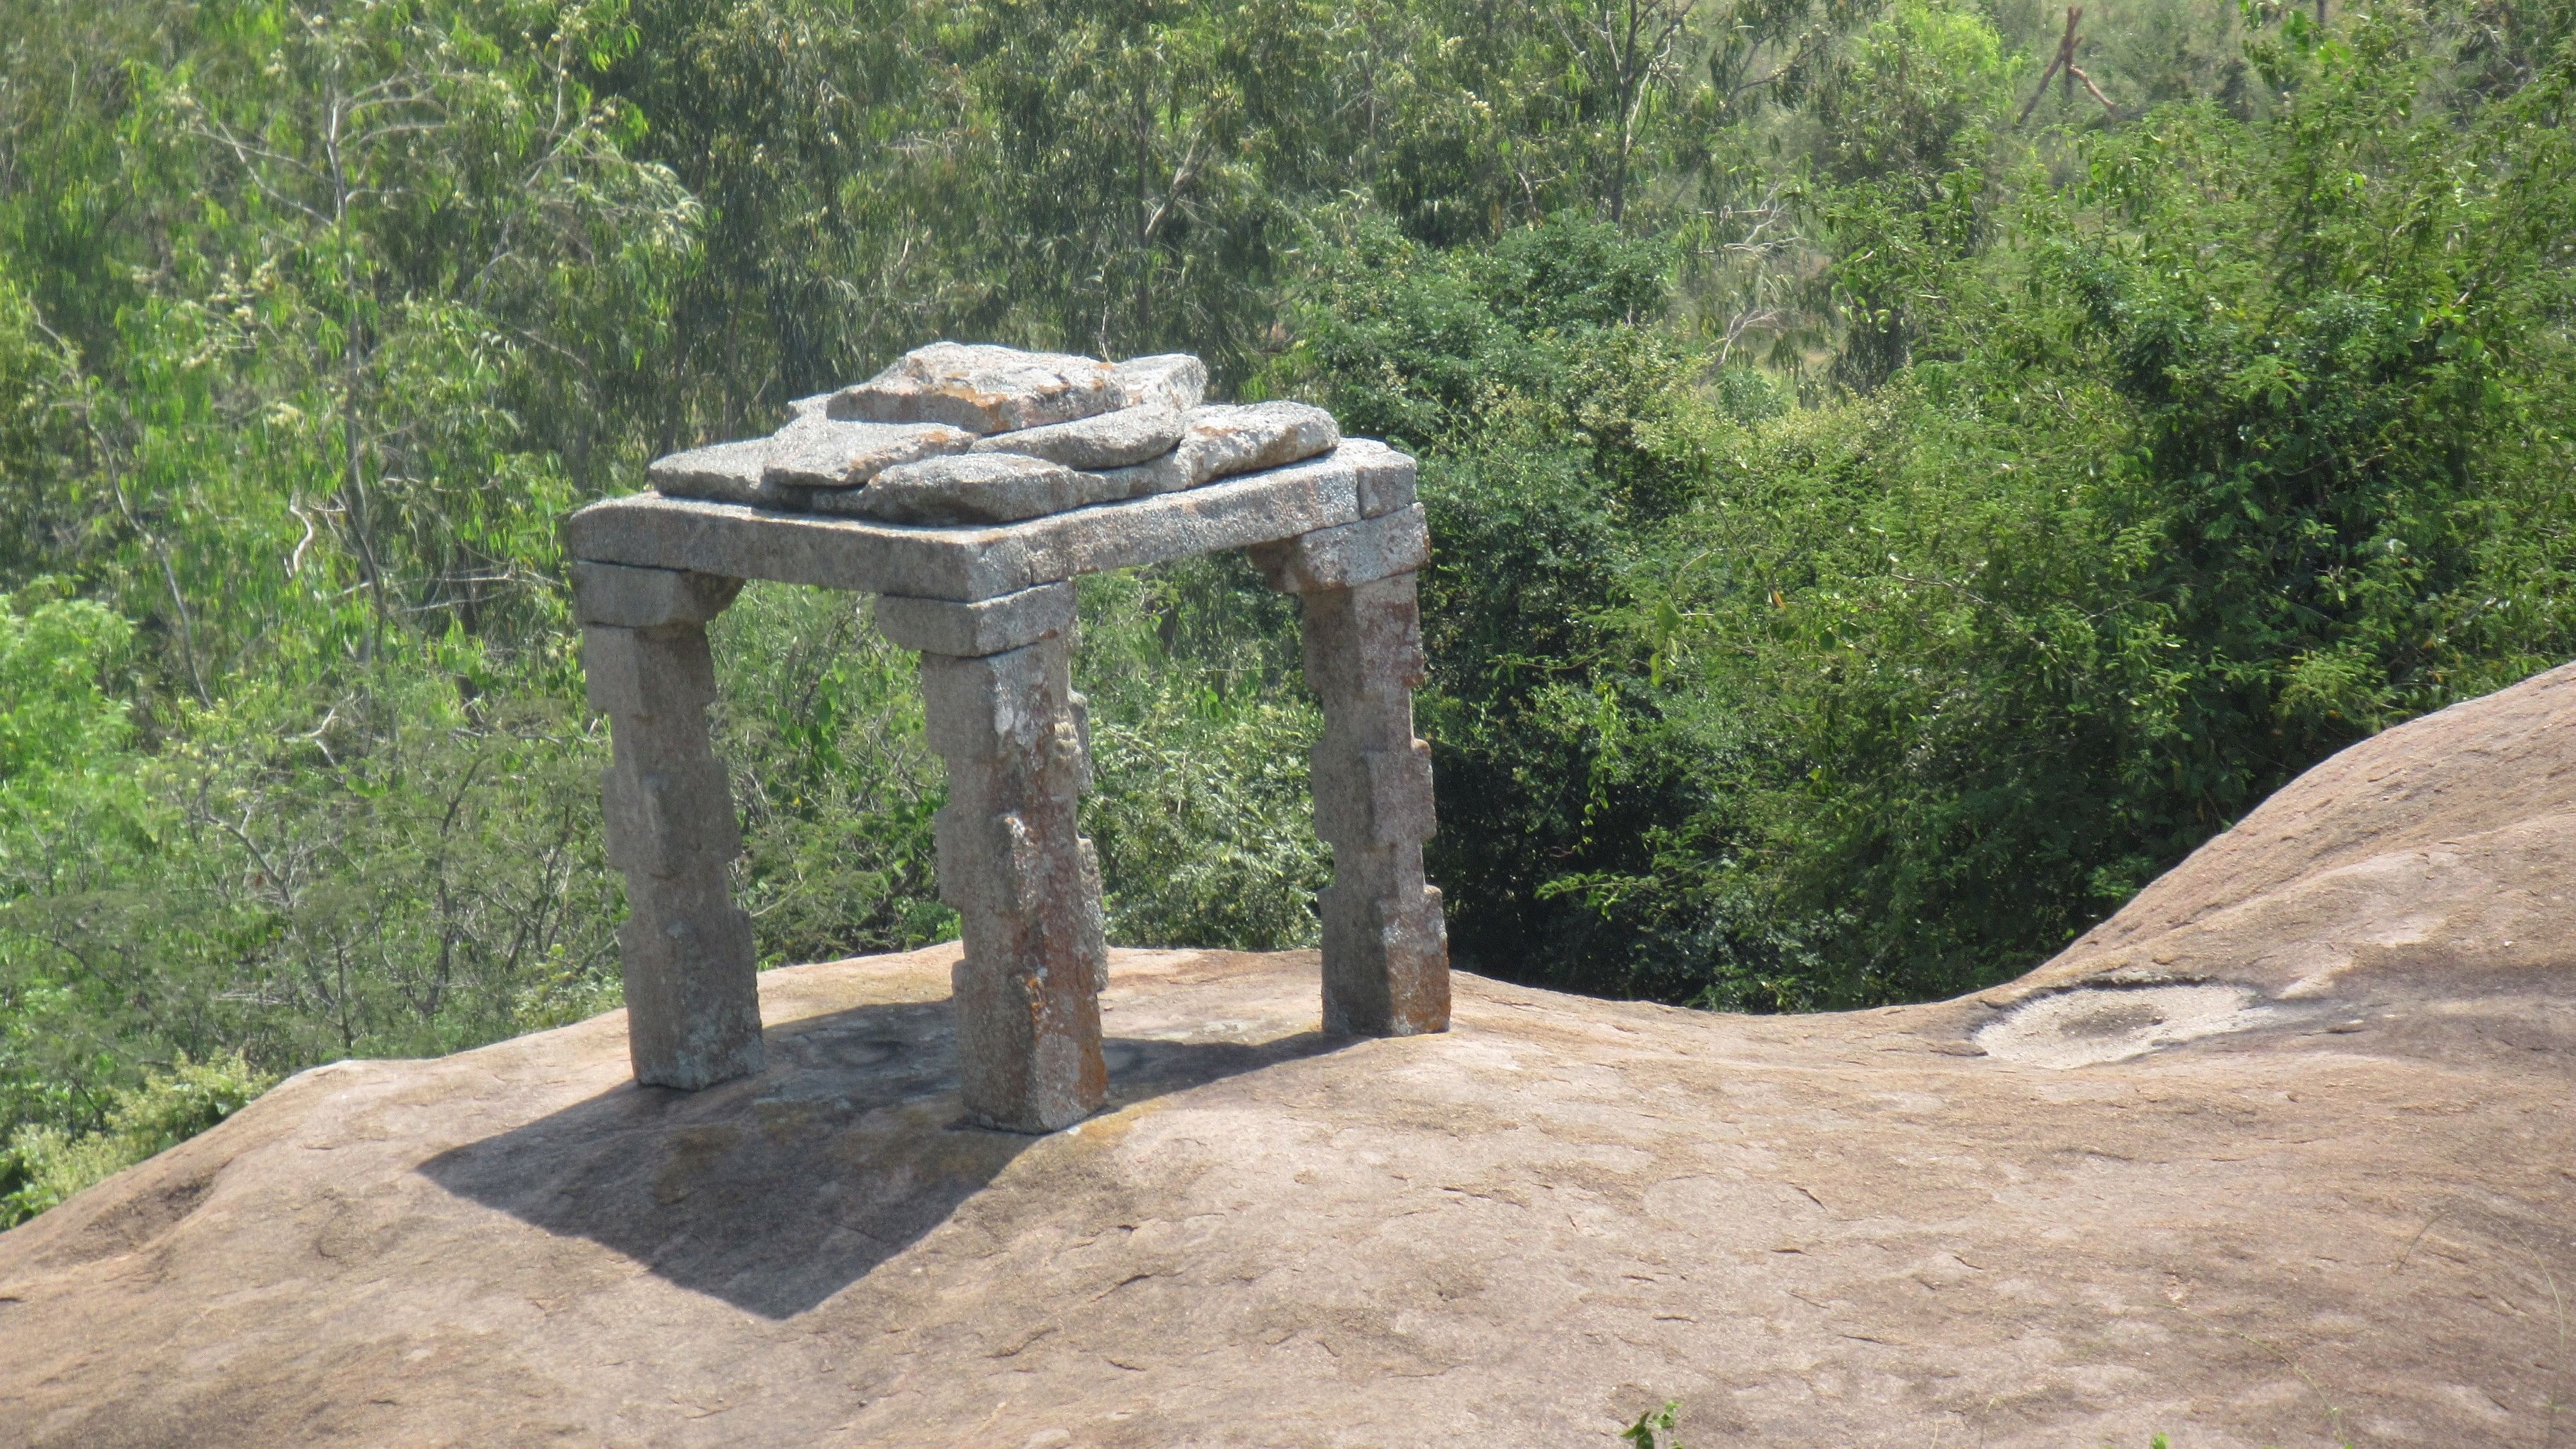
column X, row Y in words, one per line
column 692, row 1003
column 629, row 597
column 1386, row 477
column 972, row 630
column 1354, row 553
column 1024, row 883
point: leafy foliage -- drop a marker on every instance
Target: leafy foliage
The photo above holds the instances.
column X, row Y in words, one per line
column 41, row 1165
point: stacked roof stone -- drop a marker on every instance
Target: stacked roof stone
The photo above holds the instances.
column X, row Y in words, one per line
column 958, row 486
column 968, row 433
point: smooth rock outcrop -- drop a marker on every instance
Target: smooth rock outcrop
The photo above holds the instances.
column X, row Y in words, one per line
column 2298, row 1169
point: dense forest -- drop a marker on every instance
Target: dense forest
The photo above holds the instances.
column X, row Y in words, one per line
column 1902, row 472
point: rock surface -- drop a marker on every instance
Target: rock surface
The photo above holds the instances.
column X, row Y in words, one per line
column 816, row 452
column 1105, row 440
column 967, row 488
column 982, row 388
column 1131, row 429
column 723, row 473
column 1174, row 380
column 2340, row 1211
column 1221, row 441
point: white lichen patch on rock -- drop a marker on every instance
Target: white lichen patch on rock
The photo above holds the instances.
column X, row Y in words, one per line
column 2095, row 1024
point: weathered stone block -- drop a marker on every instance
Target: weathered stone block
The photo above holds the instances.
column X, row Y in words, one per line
column 1028, row 1043
column 1095, row 916
column 1222, row 442
column 970, row 488
column 628, row 597
column 982, row 388
column 1386, row 962
column 647, row 672
column 1352, row 554
column 995, row 706
column 869, row 557
column 723, row 473
column 986, row 626
column 1386, row 954
column 1081, row 707
column 1363, row 645
column 1174, row 380
column 982, row 872
column 693, row 1011
column 692, row 999
column 1386, row 476
column 817, row 452
column 668, row 821
column 1023, row 882
column 1108, row 440
column 1372, row 797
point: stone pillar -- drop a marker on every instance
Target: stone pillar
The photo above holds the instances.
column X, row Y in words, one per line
column 999, row 707
column 1386, row 945
column 692, row 1003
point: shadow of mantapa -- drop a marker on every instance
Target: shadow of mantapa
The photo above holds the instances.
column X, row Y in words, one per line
column 777, row 1191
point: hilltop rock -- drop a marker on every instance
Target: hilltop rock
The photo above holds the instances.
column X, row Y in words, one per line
column 2280, row 1154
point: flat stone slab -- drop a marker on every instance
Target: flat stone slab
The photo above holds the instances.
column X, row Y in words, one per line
column 1126, row 429
column 982, row 388
column 977, row 562
column 1224, row 440
column 1175, row 380
column 970, row 488
column 816, row 452
column 1105, row 440
column 736, row 472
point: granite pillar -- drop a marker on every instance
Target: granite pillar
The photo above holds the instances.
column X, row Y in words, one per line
column 1386, row 943
column 692, row 1004
column 1000, row 710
